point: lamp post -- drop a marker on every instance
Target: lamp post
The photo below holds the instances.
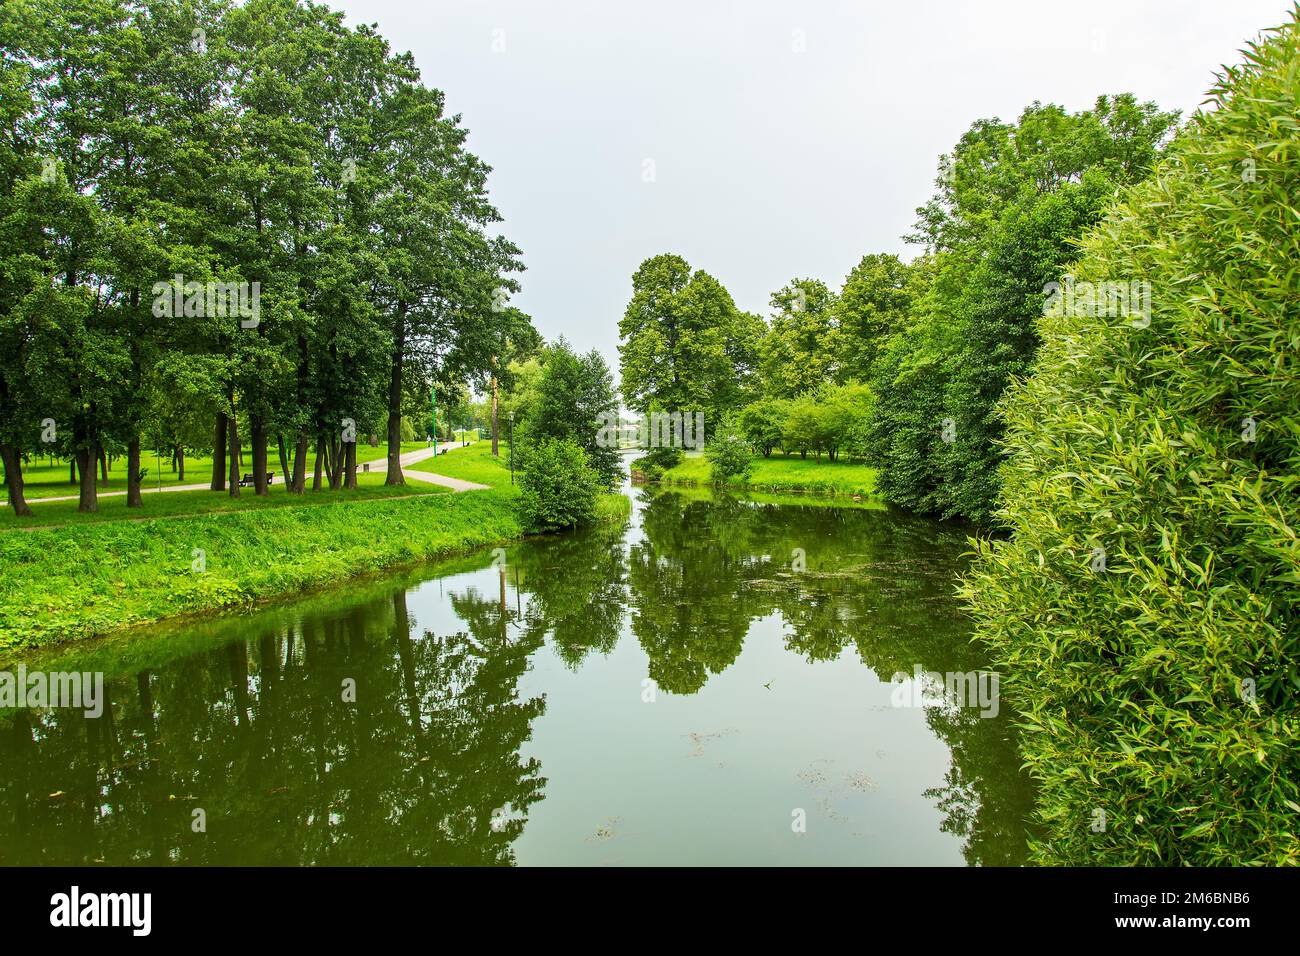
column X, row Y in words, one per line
column 512, row 446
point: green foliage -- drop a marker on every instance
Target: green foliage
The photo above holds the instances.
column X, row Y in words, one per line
column 134, row 149
column 1160, row 687
column 872, row 306
column 574, row 400
column 559, row 488
column 684, row 346
column 1011, row 202
column 728, row 454
column 802, row 347
column 762, row 424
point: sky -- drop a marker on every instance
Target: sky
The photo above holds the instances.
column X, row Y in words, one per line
column 762, row 140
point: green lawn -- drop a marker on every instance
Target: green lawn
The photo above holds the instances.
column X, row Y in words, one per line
column 76, row 581
column 171, row 504
column 471, row 463
column 70, row 575
column 782, row 473
column 43, row 480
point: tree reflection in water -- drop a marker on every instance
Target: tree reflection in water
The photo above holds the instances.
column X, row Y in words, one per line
column 248, row 720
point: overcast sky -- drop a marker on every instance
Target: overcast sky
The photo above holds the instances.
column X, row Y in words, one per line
column 786, row 138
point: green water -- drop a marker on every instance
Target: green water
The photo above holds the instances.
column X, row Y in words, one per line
column 687, row 689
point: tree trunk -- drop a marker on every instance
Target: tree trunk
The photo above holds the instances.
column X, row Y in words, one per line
column 300, row 465
column 14, row 479
column 284, row 458
column 320, row 452
column 72, row 469
column 495, row 453
column 257, row 429
column 394, row 476
column 89, row 498
column 103, row 464
column 350, row 466
column 334, row 463
column 180, row 463
column 133, row 497
column 232, row 454
column 219, row 454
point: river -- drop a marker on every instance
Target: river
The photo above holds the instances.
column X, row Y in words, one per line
column 710, row 684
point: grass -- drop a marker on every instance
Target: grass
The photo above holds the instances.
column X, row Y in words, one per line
column 784, row 473
column 194, row 553
column 77, row 581
column 473, row 463
column 173, row 504
column 44, row 480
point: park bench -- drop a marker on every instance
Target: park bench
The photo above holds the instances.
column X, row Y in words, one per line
column 247, row 480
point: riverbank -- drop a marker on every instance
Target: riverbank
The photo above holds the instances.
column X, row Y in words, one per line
column 65, row 583
column 781, row 473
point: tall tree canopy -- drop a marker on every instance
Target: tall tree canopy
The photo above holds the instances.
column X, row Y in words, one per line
column 684, row 346
column 1011, row 201
column 267, row 147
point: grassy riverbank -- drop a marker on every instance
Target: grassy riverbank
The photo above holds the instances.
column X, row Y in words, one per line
column 782, row 473
column 183, row 504
column 75, row 581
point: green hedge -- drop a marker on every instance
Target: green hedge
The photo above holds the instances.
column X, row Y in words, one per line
column 1144, row 611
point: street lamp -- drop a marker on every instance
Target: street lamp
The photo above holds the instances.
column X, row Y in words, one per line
column 512, row 446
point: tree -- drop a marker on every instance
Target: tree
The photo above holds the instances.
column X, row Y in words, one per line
column 801, row 349
column 762, row 424
column 872, row 306
column 1011, row 201
column 1144, row 608
column 574, row 398
column 684, row 346
column 728, row 453
column 558, row 488
column 843, row 412
column 442, row 275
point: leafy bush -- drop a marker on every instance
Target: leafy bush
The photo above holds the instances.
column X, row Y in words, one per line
column 1145, row 612
column 559, row 487
column 728, row 454
column 762, row 422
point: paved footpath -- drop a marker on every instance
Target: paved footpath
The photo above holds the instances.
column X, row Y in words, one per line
column 380, row 466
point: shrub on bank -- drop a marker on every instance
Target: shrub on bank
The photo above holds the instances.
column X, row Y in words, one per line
column 656, row 461
column 1144, row 612
column 728, row 455
column 559, row 488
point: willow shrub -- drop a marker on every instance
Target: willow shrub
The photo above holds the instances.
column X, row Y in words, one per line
column 1144, row 609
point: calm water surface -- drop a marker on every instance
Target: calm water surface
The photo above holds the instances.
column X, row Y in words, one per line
column 682, row 690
